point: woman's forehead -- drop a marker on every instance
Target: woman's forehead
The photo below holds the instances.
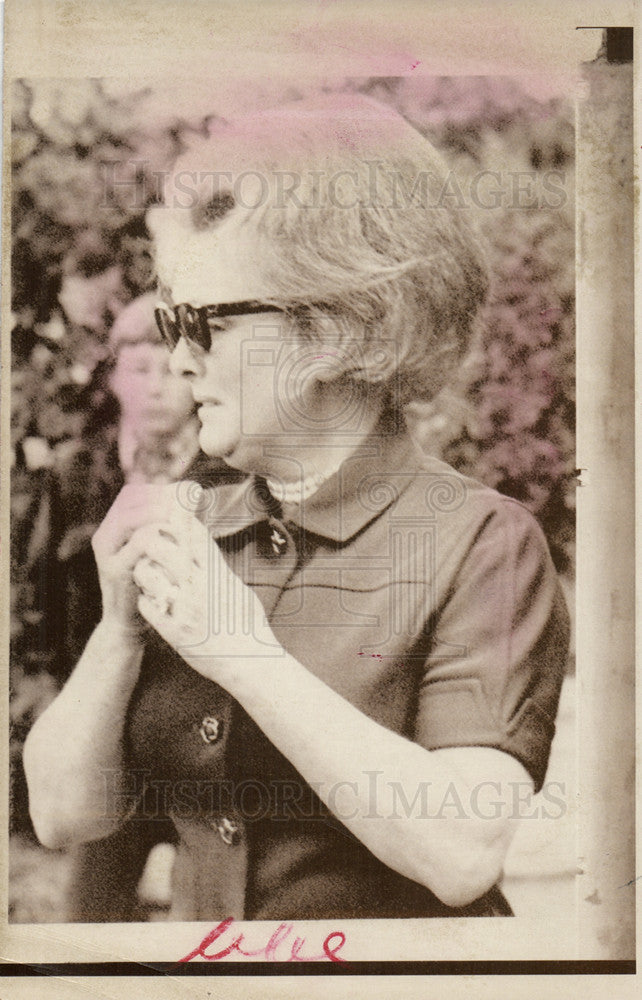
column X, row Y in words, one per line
column 223, row 264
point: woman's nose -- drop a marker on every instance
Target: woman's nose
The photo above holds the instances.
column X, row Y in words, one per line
column 182, row 360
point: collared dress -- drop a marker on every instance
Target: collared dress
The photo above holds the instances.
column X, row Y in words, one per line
column 425, row 599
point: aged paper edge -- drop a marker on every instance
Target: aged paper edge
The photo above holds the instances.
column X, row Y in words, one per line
column 50, row 39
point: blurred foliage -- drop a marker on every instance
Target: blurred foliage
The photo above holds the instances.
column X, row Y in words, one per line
column 87, row 157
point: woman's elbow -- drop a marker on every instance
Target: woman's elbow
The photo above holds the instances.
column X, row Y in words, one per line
column 49, row 807
column 466, row 877
column 50, row 834
column 49, row 820
column 465, row 887
column 59, row 828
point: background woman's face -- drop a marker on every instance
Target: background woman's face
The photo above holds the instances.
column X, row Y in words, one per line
column 152, row 400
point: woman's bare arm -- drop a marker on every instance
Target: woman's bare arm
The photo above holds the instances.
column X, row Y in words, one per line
column 73, row 754
column 458, row 853
column 417, row 810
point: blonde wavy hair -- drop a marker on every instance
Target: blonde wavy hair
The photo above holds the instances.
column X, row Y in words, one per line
column 346, row 200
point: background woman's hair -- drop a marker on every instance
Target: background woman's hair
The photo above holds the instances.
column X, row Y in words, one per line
column 135, row 324
column 346, row 203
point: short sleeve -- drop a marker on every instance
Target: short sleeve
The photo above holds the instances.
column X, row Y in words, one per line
column 499, row 646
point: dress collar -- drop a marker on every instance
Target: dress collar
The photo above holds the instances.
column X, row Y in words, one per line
column 367, row 483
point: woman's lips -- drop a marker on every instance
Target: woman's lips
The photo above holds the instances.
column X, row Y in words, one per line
column 206, row 408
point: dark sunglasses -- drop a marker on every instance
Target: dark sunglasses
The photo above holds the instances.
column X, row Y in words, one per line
column 193, row 323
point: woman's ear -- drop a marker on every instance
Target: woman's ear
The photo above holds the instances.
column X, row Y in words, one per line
column 329, row 365
column 330, row 350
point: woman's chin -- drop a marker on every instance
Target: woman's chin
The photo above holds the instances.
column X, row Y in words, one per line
column 218, row 445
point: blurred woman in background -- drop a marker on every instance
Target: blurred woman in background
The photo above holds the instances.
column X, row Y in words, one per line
column 153, row 438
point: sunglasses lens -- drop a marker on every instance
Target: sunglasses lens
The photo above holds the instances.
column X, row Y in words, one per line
column 193, row 323
column 182, row 321
column 167, row 325
column 193, row 326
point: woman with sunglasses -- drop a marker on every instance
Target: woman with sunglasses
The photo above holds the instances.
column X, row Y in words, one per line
column 341, row 675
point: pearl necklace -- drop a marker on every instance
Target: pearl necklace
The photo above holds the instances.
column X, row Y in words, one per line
column 296, row 493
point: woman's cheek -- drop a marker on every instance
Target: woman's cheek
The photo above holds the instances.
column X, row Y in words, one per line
column 130, row 393
column 180, row 401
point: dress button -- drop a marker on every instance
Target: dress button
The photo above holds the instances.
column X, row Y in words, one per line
column 210, row 729
column 228, row 831
column 279, row 542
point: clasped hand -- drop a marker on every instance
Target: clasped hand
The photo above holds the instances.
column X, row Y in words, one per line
column 158, row 562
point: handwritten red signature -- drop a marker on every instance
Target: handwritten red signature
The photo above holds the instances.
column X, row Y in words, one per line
column 282, row 946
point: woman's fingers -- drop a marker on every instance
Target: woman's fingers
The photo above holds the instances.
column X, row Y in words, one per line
column 177, row 612
column 189, row 534
column 203, row 610
column 174, row 586
column 125, row 558
column 134, row 507
column 151, row 543
column 141, row 516
column 153, row 612
column 172, row 548
column 189, row 594
column 112, row 536
column 154, row 580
